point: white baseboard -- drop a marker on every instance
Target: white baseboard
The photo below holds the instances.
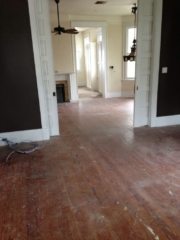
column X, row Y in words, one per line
column 165, row 121
column 74, row 101
column 33, row 135
column 113, row 94
column 139, row 122
column 127, row 94
column 82, row 84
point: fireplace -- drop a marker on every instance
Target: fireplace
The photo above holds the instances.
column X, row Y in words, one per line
column 63, row 86
column 60, row 93
column 70, row 85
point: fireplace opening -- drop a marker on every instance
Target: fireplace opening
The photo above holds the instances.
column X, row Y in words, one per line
column 60, row 93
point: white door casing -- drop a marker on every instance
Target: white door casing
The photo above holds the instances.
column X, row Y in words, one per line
column 153, row 120
column 88, row 65
column 99, row 45
column 41, row 8
column 99, row 60
column 143, row 62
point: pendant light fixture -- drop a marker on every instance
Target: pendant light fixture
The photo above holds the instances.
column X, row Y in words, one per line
column 132, row 56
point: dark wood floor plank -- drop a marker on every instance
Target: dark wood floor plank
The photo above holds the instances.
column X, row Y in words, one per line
column 102, row 179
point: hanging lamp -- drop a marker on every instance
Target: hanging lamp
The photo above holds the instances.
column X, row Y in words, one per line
column 132, row 56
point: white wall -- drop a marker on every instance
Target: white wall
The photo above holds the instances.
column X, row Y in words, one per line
column 114, row 53
column 62, row 49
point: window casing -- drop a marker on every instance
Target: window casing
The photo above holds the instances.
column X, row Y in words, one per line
column 128, row 37
column 78, row 59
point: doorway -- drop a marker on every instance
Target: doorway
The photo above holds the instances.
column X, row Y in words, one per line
column 89, row 62
column 91, row 49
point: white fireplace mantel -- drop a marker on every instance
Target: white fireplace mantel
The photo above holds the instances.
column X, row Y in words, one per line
column 72, row 84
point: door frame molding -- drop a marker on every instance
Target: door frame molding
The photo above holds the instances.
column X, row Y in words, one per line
column 103, row 26
column 145, row 20
column 156, row 46
column 43, row 56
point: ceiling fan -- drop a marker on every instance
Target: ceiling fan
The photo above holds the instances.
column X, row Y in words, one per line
column 59, row 29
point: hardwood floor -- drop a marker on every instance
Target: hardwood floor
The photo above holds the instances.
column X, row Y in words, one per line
column 84, row 92
column 102, row 179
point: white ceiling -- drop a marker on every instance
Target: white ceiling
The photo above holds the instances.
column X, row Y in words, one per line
column 88, row 7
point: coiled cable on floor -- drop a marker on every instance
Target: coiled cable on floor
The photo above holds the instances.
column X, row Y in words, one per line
column 24, row 147
column 16, row 146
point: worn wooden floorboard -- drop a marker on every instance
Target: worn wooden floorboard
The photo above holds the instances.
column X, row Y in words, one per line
column 102, row 179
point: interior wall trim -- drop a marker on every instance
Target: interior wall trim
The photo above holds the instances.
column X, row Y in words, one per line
column 165, row 121
column 82, row 84
column 42, row 47
column 154, row 76
column 127, row 94
column 36, row 49
column 33, row 135
column 113, row 94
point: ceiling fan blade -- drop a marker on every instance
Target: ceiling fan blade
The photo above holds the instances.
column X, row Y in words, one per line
column 71, row 31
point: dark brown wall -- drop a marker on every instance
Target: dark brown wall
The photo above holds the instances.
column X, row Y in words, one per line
column 19, row 103
column 169, row 84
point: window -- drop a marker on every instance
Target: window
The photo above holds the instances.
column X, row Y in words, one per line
column 86, row 40
column 78, row 59
column 128, row 67
column 99, row 38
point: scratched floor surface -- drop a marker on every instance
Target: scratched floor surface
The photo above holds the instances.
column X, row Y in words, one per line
column 101, row 179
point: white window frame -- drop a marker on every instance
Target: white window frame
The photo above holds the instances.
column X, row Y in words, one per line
column 85, row 35
column 126, row 27
column 79, row 61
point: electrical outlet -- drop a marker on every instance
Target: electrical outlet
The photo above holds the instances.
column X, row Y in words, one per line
column 164, row 70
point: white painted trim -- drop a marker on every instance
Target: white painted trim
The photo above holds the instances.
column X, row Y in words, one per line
column 165, row 121
column 156, row 45
column 127, row 94
column 82, row 84
column 88, row 24
column 105, row 66
column 73, row 89
column 113, row 94
column 143, row 62
column 128, row 80
column 53, row 113
column 141, row 122
column 33, row 135
column 102, row 25
column 74, row 101
column 126, row 26
column 36, row 50
column 42, row 48
column 114, row 23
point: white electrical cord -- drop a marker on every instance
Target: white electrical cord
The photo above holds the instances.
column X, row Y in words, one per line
column 34, row 146
column 9, row 156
